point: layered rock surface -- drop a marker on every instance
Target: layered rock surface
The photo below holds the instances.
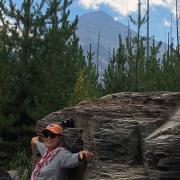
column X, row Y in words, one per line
column 134, row 136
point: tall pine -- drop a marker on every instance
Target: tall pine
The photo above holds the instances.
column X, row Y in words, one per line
column 116, row 72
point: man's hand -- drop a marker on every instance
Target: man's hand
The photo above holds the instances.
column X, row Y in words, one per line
column 35, row 140
column 85, row 155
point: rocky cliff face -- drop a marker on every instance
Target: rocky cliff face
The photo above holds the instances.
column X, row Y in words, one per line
column 134, row 136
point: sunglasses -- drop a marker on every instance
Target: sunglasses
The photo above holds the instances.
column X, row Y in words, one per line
column 49, row 134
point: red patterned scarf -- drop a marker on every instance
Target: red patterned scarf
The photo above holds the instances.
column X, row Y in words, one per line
column 45, row 159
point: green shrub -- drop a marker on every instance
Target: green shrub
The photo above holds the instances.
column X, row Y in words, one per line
column 22, row 163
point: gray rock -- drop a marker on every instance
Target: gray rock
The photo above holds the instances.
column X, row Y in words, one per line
column 14, row 174
column 134, row 136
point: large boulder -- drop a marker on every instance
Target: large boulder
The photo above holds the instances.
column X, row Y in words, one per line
column 134, row 136
column 162, row 150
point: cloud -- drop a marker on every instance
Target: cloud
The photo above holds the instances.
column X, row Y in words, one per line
column 125, row 7
column 117, row 18
column 122, row 7
column 166, row 23
column 11, row 23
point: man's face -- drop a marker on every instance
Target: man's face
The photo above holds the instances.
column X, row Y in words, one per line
column 51, row 140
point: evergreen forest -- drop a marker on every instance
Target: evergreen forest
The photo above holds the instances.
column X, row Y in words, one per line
column 43, row 67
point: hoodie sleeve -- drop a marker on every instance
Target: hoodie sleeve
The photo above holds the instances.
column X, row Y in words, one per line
column 41, row 148
column 68, row 159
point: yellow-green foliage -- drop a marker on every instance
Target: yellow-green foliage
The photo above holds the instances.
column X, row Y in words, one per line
column 81, row 90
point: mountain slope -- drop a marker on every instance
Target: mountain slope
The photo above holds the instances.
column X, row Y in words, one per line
column 89, row 27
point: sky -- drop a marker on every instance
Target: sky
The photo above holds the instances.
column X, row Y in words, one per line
column 161, row 12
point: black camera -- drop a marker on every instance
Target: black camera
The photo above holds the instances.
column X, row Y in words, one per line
column 68, row 123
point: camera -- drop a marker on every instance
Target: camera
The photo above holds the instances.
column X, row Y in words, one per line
column 68, row 123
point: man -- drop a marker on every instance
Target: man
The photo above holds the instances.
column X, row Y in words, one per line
column 55, row 159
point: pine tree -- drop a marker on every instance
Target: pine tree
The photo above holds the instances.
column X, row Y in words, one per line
column 91, row 75
column 147, row 31
column 7, row 65
column 25, row 27
column 153, row 76
column 138, row 41
column 171, row 70
column 177, row 27
column 115, row 76
column 63, row 55
column 43, row 59
column 131, row 64
column 86, row 87
column 109, row 76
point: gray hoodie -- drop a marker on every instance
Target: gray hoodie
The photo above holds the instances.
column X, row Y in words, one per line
column 57, row 168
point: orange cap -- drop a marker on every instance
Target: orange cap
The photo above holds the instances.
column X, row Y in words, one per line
column 55, row 128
